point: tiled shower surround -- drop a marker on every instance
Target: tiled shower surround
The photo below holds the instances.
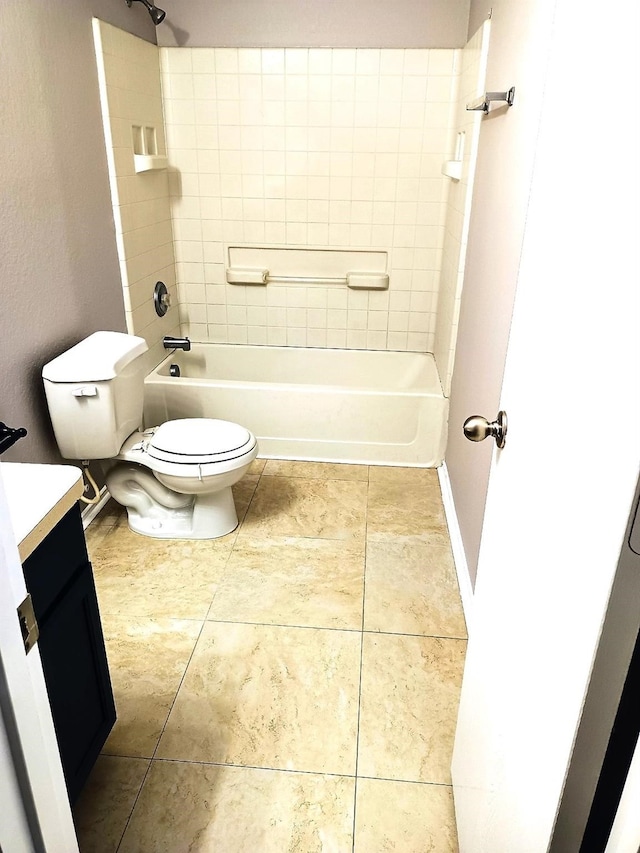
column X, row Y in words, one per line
column 471, row 84
column 130, row 94
column 309, row 147
column 298, row 148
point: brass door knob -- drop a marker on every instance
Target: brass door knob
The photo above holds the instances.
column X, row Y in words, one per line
column 477, row 428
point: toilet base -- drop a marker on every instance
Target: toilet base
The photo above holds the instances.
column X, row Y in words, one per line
column 208, row 517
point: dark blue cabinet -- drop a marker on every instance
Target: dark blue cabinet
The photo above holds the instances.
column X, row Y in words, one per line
column 59, row 577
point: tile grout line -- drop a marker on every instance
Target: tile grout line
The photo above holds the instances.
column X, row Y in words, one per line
column 184, row 674
column 151, row 760
column 408, row 781
column 204, row 622
column 336, row 628
column 235, row 542
column 267, row 769
column 133, row 807
column 285, row 625
column 364, row 589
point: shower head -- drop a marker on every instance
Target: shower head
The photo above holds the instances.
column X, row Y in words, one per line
column 157, row 15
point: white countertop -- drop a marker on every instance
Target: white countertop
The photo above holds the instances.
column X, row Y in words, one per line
column 38, row 497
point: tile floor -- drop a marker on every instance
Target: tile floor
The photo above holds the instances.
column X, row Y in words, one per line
column 292, row 686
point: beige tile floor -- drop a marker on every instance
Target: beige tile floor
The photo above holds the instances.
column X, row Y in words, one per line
column 292, row 686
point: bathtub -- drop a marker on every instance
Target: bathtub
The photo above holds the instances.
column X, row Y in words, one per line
column 323, row 405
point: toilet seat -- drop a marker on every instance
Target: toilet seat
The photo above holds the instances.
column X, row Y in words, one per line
column 199, row 441
column 191, row 447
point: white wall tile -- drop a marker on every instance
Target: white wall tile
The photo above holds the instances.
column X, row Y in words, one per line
column 319, row 61
column 316, row 147
column 250, row 61
column 336, row 338
column 226, row 60
column 176, row 60
column 296, row 337
column 276, row 337
column 202, row 60
column 296, row 60
column 367, row 61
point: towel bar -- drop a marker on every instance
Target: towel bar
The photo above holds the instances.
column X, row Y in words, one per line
column 357, row 280
column 482, row 103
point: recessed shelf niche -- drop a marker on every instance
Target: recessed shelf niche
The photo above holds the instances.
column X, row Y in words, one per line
column 145, row 149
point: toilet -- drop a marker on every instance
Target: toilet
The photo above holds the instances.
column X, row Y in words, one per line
column 174, row 479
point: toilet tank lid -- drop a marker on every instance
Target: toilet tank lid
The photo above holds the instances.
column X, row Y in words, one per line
column 99, row 357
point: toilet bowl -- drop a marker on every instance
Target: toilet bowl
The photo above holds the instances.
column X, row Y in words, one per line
column 174, row 479
column 176, row 483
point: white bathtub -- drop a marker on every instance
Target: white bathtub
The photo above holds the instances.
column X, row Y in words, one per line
column 328, row 405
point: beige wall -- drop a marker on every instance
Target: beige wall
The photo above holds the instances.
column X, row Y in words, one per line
column 479, row 11
column 131, row 97
column 315, row 23
column 309, row 148
column 60, row 275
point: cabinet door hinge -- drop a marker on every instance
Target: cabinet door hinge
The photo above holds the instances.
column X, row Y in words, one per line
column 28, row 624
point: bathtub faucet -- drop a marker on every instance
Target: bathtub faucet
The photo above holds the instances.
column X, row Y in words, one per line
column 176, row 343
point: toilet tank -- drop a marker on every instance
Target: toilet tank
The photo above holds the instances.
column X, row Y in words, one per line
column 94, row 394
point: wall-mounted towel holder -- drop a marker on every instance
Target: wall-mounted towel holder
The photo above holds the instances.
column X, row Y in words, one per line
column 9, row 436
column 363, row 269
column 482, row 103
column 355, row 280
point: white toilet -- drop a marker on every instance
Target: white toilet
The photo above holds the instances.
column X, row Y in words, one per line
column 175, row 479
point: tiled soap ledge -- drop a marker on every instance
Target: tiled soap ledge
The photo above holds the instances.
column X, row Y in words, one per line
column 149, row 162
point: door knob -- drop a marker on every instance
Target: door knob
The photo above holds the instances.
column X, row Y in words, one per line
column 477, row 428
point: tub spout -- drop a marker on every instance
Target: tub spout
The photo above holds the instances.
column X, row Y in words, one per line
column 176, row 343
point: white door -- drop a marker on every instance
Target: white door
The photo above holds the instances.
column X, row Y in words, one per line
column 561, row 490
column 518, row 54
column 35, row 808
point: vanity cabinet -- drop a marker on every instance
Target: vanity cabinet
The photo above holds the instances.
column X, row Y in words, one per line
column 59, row 577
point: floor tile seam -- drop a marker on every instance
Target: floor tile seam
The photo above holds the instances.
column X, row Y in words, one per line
column 357, row 777
column 253, row 536
column 242, row 520
column 364, row 592
column 225, row 568
column 125, row 756
column 346, row 539
column 103, row 521
column 355, row 787
column 181, row 682
column 129, row 617
column 405, row 781
column 284, row 625
column 368, row 631
column 98, row 532
column 135, row 803
column 319, row 479
column 251, row 767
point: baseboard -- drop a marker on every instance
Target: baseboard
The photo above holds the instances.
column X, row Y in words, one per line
column 91, row 510
column 459, row 557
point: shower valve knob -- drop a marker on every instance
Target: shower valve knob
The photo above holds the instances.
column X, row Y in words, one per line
column 477, row 428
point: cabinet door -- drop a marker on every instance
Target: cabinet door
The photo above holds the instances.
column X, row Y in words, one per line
column 54, row 563
column 77, row 678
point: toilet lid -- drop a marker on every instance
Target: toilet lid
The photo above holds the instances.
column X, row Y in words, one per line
column 199, row 441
